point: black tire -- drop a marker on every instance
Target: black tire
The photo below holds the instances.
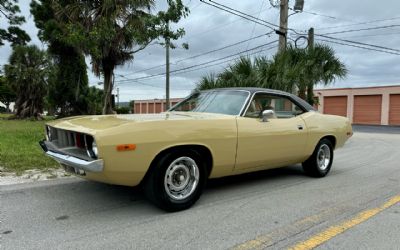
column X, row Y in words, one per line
column 316, row 165
column 157, row 187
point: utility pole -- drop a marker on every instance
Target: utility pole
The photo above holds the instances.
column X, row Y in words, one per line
column 117, row 97
column 310, row 87
column 311, row 38
column 283, row 24
column 167, row 69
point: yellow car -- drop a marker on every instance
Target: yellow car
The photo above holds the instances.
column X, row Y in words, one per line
column 210, row 134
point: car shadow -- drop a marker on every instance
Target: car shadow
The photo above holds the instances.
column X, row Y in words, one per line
column 216, row 189
column 226, row 184
column 255, row 177
column 75, row 197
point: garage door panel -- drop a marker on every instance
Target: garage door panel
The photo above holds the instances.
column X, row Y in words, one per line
column 335, row 105
column 137, row 108
column 394, row 109
column 367, row 109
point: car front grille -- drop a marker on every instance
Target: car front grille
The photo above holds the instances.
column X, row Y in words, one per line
column 70, row 142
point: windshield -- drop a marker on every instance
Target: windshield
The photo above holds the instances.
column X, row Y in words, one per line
column 228, row 102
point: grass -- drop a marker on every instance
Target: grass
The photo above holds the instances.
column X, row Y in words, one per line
column 19, row 148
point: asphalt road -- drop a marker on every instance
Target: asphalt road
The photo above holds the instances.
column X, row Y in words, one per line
column 271, row 209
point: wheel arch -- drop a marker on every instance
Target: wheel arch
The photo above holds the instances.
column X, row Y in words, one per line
column 331, row 138
column 203, row 150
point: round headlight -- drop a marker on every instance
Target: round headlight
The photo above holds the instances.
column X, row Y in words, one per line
column 94, row 148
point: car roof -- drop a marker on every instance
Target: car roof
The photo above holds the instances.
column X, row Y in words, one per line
column 253, row 90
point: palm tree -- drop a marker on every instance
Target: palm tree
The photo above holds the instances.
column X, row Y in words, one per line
column 290, row 70
column 207, row 82
column 322, row 66
column 27, row 73
column 245, row 72
column 242, row 73
column 111, row 32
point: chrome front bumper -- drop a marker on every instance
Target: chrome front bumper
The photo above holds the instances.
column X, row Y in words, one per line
column 71, row 161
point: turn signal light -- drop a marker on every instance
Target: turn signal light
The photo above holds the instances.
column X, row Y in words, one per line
column 126, row 147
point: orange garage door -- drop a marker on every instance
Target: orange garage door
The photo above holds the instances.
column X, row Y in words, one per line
column 137, row 108
column 367, row 109
column 394, row 110
column 335, row 105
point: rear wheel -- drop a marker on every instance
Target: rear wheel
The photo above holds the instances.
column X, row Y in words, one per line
column 320, row 162
column 177, row 180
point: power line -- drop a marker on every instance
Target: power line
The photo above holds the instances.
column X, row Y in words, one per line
column 254, row 24
column 228, row 45
column 201, row 64
column 240, row 12
column 245, row 15
column 229, row 60
column 204, row 63
column 360, row 23
column 219, row 26
column 372, row 35
column 359, row 43
column 204, row 53
column 357, row 46
column 356, row 30
column 316, row 14
column 222, row 48
column 150, row 85
column 247, row 18
column 207, row 66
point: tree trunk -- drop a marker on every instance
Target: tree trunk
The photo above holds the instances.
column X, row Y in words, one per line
column 108, row 87
column 302, row 92
column 28, row 107
column 310, row 94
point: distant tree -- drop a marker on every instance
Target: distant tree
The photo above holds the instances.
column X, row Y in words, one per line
column 70, row 82
column 7, row 95
column 111, row 32
column 27, row 73
column 123, row 110
column 9, row 11
column 132, row 105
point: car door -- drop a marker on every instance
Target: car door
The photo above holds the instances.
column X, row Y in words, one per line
column 278, row 141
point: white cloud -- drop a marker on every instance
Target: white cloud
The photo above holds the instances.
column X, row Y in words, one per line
column 208, row 28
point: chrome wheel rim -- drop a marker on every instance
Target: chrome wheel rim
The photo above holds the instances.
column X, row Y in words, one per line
column 181, row 178
column 323, row 157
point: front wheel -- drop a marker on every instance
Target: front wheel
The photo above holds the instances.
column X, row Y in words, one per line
column 177, row 180
column 320, row 162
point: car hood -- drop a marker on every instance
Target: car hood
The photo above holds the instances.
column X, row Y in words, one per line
column 94, row 123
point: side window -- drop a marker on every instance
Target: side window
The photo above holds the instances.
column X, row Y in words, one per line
column 282, row 106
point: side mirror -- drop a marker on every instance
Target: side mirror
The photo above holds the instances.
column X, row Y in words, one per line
column 267, row 114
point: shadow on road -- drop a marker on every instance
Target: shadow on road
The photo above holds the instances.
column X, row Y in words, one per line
column 255, row 177
column 74, row 198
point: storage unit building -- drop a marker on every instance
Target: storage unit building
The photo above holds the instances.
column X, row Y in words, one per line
column 368, row 105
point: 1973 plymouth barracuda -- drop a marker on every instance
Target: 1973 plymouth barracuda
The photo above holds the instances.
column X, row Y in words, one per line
column 210, row 134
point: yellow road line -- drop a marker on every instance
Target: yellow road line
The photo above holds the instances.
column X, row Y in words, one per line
column 331, row 232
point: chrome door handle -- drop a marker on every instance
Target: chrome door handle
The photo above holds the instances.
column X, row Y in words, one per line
column 300, row 127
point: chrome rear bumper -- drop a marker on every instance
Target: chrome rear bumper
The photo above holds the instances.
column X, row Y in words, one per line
column 71, row 161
